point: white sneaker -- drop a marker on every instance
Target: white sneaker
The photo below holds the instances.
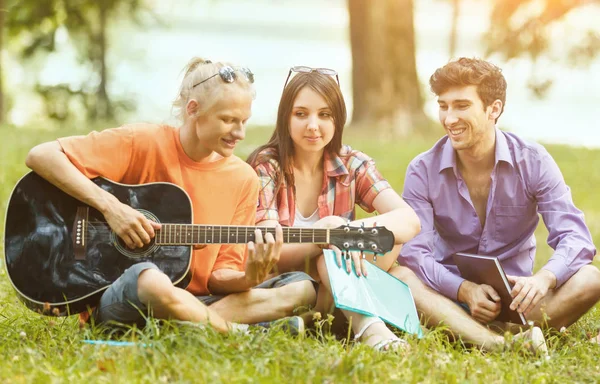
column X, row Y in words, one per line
column 533, row 339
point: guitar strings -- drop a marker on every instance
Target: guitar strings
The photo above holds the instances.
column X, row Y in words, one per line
column 173, row 233
column 175, row 228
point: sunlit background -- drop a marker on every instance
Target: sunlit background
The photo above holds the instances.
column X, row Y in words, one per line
column 145, row 60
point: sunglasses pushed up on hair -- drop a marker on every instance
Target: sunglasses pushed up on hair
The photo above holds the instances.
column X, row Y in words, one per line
column 227, row 74
column 305, row 69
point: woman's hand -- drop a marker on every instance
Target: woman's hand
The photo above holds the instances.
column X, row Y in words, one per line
column 332, row 222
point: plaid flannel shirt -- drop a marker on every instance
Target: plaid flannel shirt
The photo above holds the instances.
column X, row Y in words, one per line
column 350, row 178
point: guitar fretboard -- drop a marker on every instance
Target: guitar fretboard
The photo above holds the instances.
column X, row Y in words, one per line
column 190, row 234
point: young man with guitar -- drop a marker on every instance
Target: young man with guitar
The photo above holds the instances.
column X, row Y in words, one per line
column 225, row 281
column 479, row 190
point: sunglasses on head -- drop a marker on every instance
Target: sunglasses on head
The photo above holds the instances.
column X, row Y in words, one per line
column 304, row 69
column 228, row 75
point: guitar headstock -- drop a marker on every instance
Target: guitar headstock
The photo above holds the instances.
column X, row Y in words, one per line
column 378, row 240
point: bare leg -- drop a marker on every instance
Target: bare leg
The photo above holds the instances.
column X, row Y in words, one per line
column 156, row 290
column 435, row 309
column 259, row 304
column 374, row 334
column 565, row 305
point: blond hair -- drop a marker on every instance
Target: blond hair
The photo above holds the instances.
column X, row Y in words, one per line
column 208, row 92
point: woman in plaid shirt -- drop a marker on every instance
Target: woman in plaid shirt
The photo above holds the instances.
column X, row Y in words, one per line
column 309, row 178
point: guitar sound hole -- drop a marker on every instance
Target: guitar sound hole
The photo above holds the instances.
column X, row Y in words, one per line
column 141, row 250
column 136, row 253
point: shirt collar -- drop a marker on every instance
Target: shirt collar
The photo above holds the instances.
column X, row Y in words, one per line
column 502, row 152
column 448, row 159
column 334, row 166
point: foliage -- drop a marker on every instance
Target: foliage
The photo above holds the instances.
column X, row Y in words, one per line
column 41, row 349
column 524, row 28
column 36, row 24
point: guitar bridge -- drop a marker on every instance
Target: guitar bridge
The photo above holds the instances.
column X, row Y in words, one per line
column 79, row 231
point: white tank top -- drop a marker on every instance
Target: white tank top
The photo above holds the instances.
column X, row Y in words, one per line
column 304, row 222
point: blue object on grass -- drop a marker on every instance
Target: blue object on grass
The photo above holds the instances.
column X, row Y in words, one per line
column 379, row 294
column 114, row 343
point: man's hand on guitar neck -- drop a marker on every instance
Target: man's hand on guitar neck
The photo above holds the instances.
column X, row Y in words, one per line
column 263, row 256
column 129, row 224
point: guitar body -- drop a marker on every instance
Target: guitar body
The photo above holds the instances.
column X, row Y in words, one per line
column 41, row 237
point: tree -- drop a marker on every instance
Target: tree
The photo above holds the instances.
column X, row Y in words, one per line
column 519, row 28
column 2, row 12
column 87, row 23
column 454, row 27
column 385, row 86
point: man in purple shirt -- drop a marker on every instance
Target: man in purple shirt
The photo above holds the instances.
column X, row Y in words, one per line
column 479, row 190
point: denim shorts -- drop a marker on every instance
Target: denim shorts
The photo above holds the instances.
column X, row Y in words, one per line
column 120, row 302
column 464, row 306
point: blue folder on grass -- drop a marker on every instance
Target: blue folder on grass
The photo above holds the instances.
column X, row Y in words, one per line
column 379, row 294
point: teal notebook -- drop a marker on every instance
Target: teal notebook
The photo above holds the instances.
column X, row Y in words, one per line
column 379, row 294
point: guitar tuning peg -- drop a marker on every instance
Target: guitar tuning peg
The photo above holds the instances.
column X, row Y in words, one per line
column 361, row 230
column 374, row 258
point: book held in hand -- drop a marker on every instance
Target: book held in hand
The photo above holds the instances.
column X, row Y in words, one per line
column 487, row 270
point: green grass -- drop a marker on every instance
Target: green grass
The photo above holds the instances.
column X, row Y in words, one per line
column 41, row 349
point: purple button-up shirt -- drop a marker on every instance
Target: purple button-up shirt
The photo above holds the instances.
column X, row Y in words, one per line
column 525, row 181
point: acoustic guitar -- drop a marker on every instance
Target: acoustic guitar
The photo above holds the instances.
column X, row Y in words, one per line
column 61, row 255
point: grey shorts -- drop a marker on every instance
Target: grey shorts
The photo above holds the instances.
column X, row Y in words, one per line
column 121, row 304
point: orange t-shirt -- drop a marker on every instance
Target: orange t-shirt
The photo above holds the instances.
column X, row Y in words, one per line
column 223, row 192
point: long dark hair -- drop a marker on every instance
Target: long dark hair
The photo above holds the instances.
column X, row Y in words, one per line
column 280, row 146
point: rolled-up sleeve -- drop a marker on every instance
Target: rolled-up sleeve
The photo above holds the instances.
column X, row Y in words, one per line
column 418, row 254
column 568, row 234
column 369, row 184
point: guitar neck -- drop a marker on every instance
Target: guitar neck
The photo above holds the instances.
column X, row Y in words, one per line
column 191, row 234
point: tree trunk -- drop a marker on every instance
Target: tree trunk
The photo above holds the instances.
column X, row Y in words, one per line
column 454, row 28
column 104, row 106
column 2, row 13
column 386, row 89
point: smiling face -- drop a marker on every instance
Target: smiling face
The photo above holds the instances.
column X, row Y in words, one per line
column 224, row 124
column 311, row 122
column 468, row 123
